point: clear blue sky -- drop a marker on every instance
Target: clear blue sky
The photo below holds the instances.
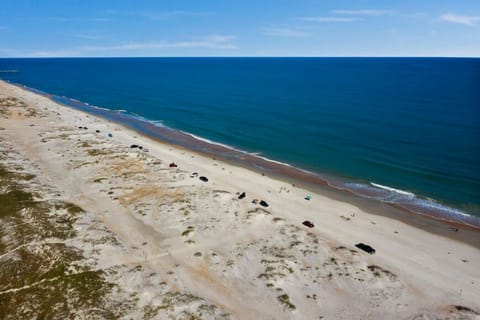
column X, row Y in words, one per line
column 45, row 28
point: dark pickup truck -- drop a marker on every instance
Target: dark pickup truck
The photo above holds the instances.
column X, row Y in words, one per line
column 365, row 247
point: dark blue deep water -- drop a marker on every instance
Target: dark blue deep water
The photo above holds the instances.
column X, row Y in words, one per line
column 407, row 123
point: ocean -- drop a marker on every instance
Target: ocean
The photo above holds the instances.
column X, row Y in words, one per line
column 404, row 131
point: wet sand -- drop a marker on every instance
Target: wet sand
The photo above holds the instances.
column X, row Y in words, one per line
column 340, row 186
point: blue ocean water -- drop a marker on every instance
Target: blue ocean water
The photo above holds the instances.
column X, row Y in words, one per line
column 411, row 124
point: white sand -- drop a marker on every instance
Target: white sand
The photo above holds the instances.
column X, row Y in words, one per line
column 251, row 258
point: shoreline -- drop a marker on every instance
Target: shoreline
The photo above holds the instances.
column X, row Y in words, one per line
column 179, row 243
column 262, row 165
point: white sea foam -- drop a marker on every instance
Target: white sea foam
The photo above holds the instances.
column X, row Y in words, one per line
column 157, row 123
column 405, row 198
column 211, row 142
column 72, row 99
column 432, row 204
column 275, row 161
column 406, row 193
column 99, row 108
column 254, row 154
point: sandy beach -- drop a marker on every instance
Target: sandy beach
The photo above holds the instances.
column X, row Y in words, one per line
column 159, row 243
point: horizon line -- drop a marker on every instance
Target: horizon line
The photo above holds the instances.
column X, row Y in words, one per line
column 123, row 57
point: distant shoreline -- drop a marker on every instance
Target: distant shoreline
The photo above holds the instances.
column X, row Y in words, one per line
column 280, row 170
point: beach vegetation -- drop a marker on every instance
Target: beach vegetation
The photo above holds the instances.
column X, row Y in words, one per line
column 285, row 300
column 98, row 152
column 295, row 243
column 70, row 207
column 187, row 232
column 42, row 275
column 39, row 278
column 6, row 103
column 466, row 309
column 85, row 144
column 15, row 200
column 27, row 176
column 270, row 275
column 379, row 271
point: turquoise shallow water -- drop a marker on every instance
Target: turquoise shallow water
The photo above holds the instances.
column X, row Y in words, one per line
column 379, row 123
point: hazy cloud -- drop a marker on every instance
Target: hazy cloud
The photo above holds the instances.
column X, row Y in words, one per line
column 219, row 38
column 460, row 19
column 173, row 14
column 212, row 42
column 328, row 19
column 283, row 32
column 69, row 19
column 49, row 54
column 6, row 50
column 365, row 12
column 348, row 15
column 160, row 15
column 88, row 36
